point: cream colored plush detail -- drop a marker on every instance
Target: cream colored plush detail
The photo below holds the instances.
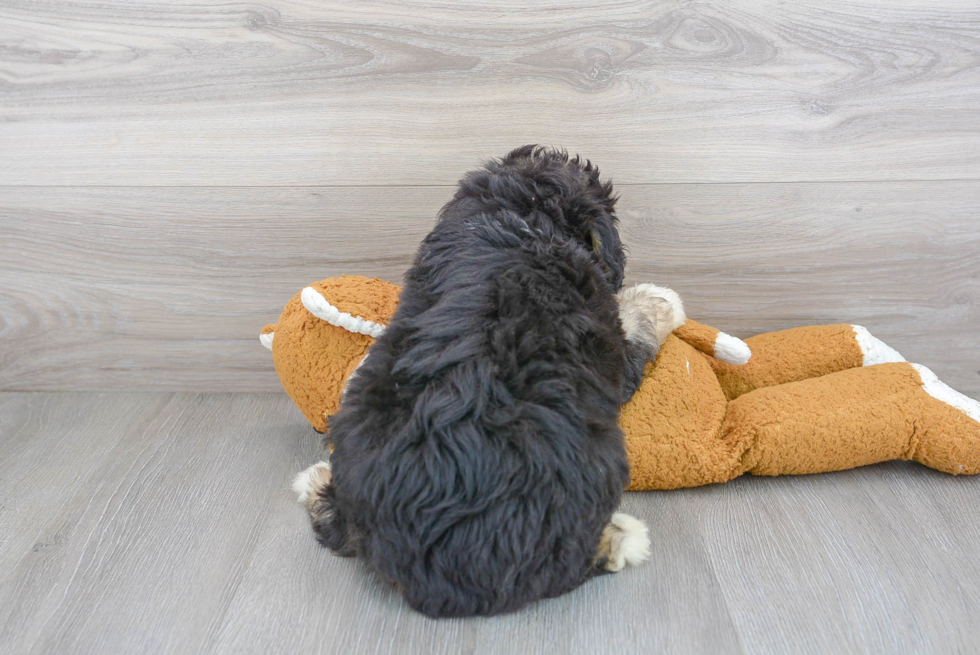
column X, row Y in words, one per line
column 320, row 307
column 732, row 349
column 266, row 339
column 632, row 546
column 306, row 483
column 941, row 391
column 647, row 307
column 875, row 350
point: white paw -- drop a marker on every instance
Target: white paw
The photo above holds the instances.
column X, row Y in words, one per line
column 647, row 306
column 307, row 482
column 678, row 317
column 631, row 545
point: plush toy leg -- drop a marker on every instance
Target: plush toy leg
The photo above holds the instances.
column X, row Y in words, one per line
column 852, row 418
column 673, row 424
column 801, row 354
column 714, row 342
column 949, row 437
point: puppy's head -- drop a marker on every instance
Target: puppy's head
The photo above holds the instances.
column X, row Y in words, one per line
column 554, row 194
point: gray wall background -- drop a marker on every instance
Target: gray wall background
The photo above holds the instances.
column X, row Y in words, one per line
column 170, row 175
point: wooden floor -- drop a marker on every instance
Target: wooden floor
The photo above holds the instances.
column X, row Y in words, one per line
column 163, row 523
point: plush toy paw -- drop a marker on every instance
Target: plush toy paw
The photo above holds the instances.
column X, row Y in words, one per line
column 625, row 540
column 874, row 350
column 941, row 391
column 649, row 313
column 731, row 350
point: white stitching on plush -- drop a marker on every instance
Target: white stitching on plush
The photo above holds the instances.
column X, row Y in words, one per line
column 320, row 307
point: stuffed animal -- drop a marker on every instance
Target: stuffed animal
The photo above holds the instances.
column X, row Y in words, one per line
column 710, row 408
column 317, row 344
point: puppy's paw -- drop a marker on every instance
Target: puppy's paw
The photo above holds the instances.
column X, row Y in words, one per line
column 625, row 540
column 313, row 487
column 649, row 313
column 308, row 483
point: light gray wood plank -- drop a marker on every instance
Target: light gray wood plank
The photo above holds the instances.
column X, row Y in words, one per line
column 142, row 516
column 50, row 447
column 124, row 288
column 160, row 288
column 880, row 559
column 179, row 534
column 55, row 456
column 164, row 523
column 291, row 93
column 327, row 604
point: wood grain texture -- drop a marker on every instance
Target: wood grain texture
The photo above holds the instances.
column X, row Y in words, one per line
column 353, row 93
column 325, row 604
column 159, row 288
column 163, row 523
column 130, row 518
column 813, row 539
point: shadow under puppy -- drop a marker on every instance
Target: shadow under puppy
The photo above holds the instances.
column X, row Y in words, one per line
column 477, row 459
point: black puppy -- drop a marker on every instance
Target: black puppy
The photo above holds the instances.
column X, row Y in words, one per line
column 477, row 460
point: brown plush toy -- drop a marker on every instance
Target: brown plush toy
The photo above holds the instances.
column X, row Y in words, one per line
column 710, row 408
column 317, row 343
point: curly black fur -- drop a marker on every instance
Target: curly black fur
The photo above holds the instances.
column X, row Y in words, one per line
column 477, row 455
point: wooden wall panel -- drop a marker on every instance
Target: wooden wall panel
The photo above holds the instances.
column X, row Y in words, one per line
column 167, row 288
column 337, row 93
